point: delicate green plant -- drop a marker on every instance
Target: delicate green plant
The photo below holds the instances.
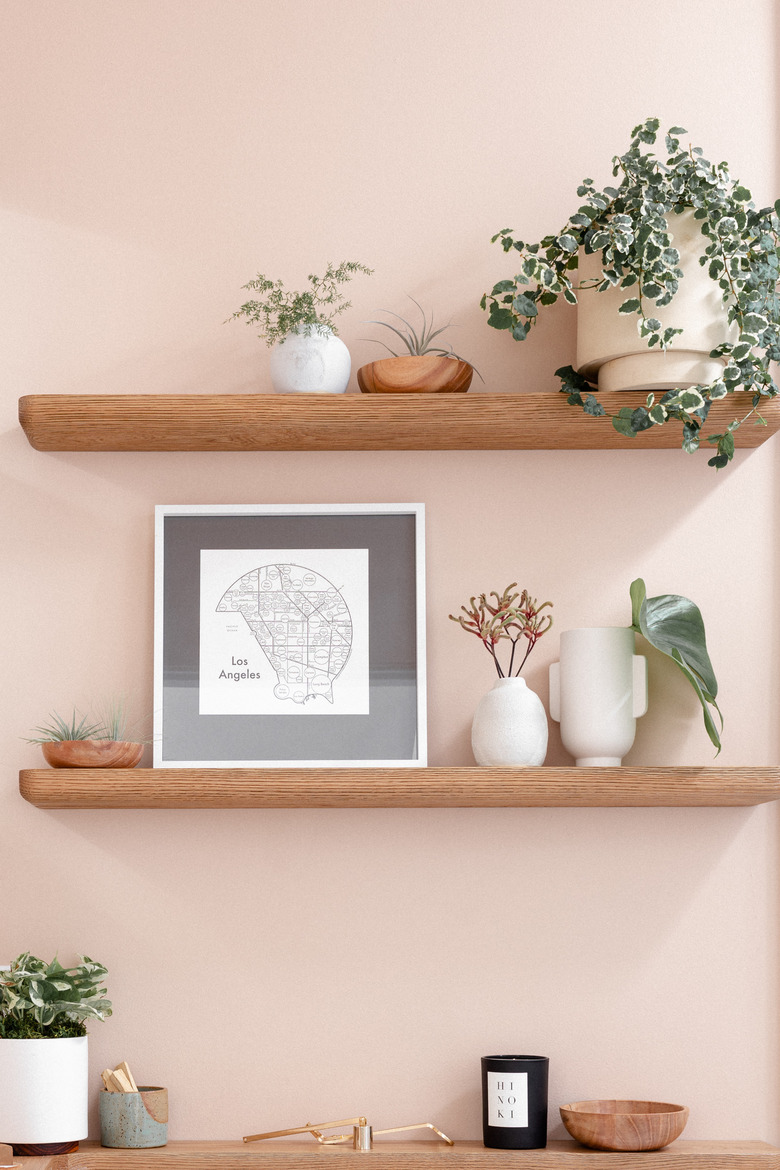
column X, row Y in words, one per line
column 41, row 1000
column 628, row 226
column 674, row 625
column 417, row 344
column 277, row 312
column 514, row 617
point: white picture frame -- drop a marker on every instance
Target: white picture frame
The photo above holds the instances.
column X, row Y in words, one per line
column 289, row 635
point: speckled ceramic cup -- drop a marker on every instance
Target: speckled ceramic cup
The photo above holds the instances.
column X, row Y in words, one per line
column 134, row 1121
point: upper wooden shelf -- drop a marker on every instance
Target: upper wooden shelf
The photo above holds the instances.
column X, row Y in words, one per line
column 422, row 1155
column 348, row 422
column 397, row 787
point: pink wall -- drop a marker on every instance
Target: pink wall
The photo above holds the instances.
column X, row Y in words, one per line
column 274, row 966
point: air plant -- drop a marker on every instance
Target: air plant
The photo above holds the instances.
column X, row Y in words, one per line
column 513, row 617
column 417, row 343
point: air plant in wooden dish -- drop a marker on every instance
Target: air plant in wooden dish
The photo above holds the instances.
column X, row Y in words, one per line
column 82, row 742
column 424, row 368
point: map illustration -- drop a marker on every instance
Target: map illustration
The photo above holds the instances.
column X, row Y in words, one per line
column 300, row 621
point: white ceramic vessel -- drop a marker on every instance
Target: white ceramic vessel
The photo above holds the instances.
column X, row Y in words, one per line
column 598, row 690
column 43, row 1090
column 310, row 361
column 609, row 348
column 510, row 726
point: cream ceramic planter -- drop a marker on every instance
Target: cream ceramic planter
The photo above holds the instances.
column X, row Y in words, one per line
column 310, row 361
column 609, row 348
column 43, row 1091
column 598, row 690
column 510, row 726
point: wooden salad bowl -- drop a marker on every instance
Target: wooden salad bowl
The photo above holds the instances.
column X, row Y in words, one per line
column 92, row 753
column 428, row 374
column 624, row 1125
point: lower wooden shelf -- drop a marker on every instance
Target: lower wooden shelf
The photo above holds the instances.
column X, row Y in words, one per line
column 424, row 1155
column 84, row 788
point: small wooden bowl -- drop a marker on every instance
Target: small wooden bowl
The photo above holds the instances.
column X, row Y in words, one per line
column 92, row 753
column 624, row 1125
column 428, row 374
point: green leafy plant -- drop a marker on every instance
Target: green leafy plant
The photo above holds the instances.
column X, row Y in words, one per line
column 513, row 617
column 416, row 343
column 627, row 225
column 41, row 1000
column 674, row 625
column 278, row 312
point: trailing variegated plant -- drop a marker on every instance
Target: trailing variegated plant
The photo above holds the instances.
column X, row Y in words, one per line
column 627, row 224
column 41, row 1000
column 674, row 625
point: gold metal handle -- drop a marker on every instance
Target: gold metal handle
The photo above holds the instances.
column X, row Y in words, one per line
column 418, row 1125
column 313, row 1129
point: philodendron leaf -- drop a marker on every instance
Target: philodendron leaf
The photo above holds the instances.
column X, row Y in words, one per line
column 674, row 625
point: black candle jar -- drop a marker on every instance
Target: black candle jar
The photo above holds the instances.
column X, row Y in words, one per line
column 514, row 1102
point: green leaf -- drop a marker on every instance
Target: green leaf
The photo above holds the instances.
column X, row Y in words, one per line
column 629, row 306
column 524, row 305
column 674, row 625
column 500, row 318
column 567, row 243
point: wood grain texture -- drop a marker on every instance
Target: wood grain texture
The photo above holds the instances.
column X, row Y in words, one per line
column 349, row 422
column 415, row 374
column 559, row 1155
column 397, row 787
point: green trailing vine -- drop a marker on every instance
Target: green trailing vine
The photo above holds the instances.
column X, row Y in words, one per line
column 627, row 224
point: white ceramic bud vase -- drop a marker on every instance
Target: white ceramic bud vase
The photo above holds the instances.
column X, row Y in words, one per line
column 510, row 726
column 310, row 361
column 598, row 690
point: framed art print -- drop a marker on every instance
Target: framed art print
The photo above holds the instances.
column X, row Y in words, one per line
column 289, row 635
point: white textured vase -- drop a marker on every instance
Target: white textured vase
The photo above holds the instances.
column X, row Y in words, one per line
column 510, row 726
column 310, row 361
column 609, row 348
column 597, row 692
column 43, row 1091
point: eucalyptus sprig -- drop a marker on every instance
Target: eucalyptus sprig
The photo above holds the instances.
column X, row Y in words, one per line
column 627, row 224
column 278, row 312
column 41, row 1000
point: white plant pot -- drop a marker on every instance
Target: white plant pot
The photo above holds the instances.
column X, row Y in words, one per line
column 311, row 361
column 510, row 726
column 609, row 348
column 598, row 690
column 43, row 1091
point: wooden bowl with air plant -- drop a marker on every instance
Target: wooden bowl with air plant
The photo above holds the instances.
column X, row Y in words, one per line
column 80, row 743
column 423, row 369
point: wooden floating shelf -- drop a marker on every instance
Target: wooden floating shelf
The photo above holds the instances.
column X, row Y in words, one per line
column 82, row 788
column 351, row 422
column 430, row 1155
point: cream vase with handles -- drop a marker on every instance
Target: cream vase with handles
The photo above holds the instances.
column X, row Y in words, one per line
column 598, row 690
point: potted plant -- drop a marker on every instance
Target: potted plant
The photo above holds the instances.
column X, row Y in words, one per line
column 598, row 689
column 424, row 368
column 307, row 356
column 43, row 1051
column 510, row 725
column 686, row 269
column 79, row 742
